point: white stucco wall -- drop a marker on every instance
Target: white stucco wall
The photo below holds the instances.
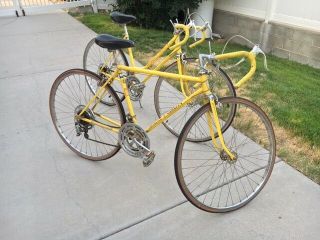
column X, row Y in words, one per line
column 305, row 14
column 254, row 8
column 105, row 4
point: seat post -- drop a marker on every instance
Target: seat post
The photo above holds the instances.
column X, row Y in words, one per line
column 126, row 34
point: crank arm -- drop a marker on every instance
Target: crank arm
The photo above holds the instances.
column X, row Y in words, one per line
column 141, row 145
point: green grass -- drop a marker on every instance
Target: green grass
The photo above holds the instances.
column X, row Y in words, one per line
column 289, row 92
column 295, row 97
column 101, row 23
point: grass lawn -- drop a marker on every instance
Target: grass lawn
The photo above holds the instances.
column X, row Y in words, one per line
column 289, row 92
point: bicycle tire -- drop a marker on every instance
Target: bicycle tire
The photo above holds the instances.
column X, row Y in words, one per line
column 255, row 153
column 68, row 95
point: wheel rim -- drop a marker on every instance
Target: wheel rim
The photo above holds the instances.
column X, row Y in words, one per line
column 69, row 94
column 217, row 185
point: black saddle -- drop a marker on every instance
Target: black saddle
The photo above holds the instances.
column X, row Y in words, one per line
column 113, row 43
column 121, row 18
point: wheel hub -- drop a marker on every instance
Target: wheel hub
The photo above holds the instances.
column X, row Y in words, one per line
column 84, row 126
column 225, row 157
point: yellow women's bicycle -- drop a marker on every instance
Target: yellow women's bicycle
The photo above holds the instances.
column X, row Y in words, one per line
column 103, row 61
column 222, row 174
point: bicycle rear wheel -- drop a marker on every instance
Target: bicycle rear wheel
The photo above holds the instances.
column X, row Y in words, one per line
column 68, row 97
column 97, row 59
column 168, row 93
column 212, row 181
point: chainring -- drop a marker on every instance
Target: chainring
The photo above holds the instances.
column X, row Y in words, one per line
column 128, row 133
column 135, row 88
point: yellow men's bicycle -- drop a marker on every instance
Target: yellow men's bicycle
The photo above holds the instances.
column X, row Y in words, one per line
column 222, row 174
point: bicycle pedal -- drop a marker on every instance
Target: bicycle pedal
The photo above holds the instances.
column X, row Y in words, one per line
column 148, row 158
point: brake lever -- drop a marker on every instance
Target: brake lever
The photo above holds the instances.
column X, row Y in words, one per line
column 193, row 25
column 216, row 35
column 172, row 25
column 257, row 50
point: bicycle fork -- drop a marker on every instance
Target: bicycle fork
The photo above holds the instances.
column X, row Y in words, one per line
column 216, row 123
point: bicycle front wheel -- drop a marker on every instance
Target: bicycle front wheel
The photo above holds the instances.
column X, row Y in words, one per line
column 97, row 59
column 68, row 97
column 168, row 93
column 208, row 178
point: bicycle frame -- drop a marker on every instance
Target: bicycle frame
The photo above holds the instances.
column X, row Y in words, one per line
column 203, row 89
column 174, row 44
column 200, row 85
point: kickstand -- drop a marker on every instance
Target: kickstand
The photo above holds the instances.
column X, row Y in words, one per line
column 140, row 104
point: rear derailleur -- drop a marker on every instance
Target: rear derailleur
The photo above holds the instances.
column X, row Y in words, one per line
column 82, row 126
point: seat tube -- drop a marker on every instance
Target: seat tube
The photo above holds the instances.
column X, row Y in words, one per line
column 128, row 100
column 131, row 57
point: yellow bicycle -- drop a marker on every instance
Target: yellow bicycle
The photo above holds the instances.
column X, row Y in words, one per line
column 103, row 61
column 222, row 174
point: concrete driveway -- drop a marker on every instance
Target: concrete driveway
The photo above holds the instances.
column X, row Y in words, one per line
column 47, row 192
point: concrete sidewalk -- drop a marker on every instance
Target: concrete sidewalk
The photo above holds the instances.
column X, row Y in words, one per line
column 47, row 192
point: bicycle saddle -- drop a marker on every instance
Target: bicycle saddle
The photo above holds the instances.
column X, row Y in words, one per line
column 122, row 18
column 112, row 43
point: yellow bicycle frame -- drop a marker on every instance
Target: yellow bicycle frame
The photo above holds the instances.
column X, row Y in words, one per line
column 203, row 89
column 174, row 45
column 199, row 83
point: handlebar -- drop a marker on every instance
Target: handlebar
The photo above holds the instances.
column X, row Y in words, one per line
column 203, row 37
column 251, row 56
column 186, row 29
